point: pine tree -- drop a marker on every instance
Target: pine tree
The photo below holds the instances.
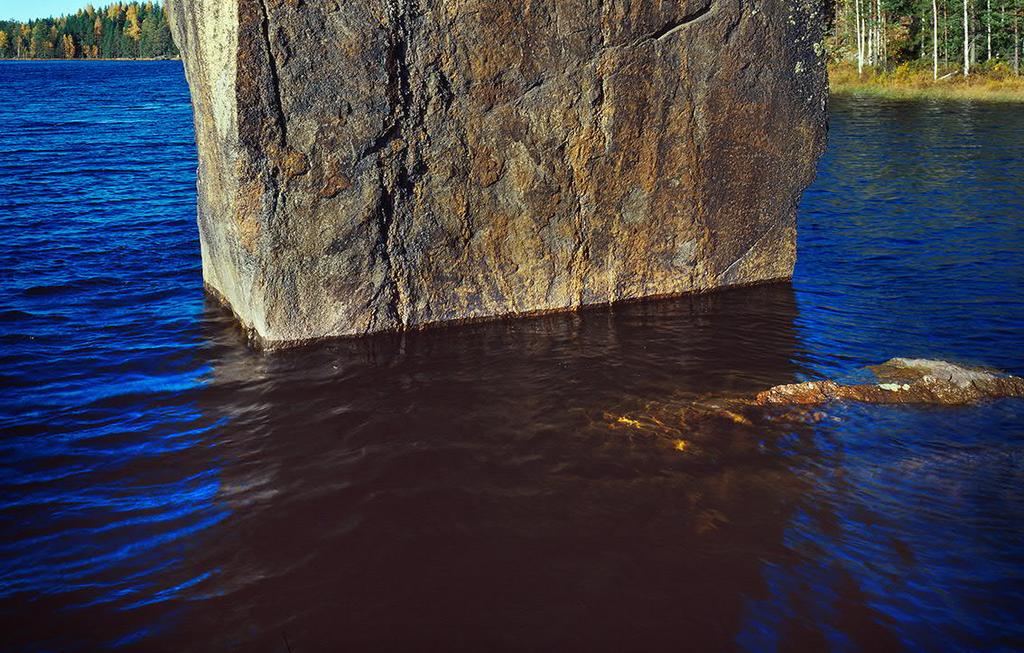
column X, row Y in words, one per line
column 39, row 46
column 24, row 37
column 148, row 42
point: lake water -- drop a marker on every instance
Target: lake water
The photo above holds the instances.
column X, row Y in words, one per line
column 162, row 487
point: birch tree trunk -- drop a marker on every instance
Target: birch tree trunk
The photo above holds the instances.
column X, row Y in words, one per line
column 879, row 37
column 1002, row 17
column 967, row 44
column 1016, row 40
column 935, row 39
column 868, row 29
column 988, row 27
column 860, row 39
column 884, row 50
column 872, row 37
column 945, row 32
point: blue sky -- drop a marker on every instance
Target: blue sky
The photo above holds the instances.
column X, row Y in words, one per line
column 25, row 9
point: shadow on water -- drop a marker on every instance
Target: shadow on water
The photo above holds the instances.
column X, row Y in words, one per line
column 464, row 486
column 460, row 487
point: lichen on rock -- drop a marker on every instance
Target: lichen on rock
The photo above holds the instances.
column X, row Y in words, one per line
column 389, row 164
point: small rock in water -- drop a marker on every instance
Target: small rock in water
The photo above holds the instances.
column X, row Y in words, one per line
column 687, row 427
column 905, row 381
column 923, row 369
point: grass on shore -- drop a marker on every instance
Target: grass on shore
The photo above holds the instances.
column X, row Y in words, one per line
column 995, row 83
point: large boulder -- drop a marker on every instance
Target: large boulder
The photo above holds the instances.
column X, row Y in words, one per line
column 385, row 164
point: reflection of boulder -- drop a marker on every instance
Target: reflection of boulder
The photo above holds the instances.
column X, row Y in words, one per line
column 464, row 476
column 904, row 381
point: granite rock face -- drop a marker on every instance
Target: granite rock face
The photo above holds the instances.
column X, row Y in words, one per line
column 385, row 164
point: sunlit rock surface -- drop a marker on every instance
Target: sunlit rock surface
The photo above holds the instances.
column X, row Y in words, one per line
column 905, row 381
column 388, row 164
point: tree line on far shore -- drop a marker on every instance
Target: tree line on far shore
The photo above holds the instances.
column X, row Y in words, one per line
column 122, row 30
column 944, row 37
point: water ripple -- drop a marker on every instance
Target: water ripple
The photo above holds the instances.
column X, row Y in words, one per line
column 163, row 487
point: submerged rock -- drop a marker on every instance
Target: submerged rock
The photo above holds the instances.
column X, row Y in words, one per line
column 904, row 381
column 692, row 425
column 388, row 164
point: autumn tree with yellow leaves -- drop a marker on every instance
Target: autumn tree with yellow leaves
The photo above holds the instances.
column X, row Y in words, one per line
column 132, row 28
column 68, row 46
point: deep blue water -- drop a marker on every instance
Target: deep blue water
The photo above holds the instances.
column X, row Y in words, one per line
column 162, row 487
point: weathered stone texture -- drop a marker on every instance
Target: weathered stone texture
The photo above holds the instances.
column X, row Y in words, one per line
column 905, row 381
column 384, row 164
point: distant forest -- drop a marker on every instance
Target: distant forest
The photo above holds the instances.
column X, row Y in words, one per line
column 122, row 30
column 942, row 36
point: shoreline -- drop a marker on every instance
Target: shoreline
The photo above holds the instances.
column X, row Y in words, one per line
column 903, row 84
column 888, row 92
column 844, row 82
